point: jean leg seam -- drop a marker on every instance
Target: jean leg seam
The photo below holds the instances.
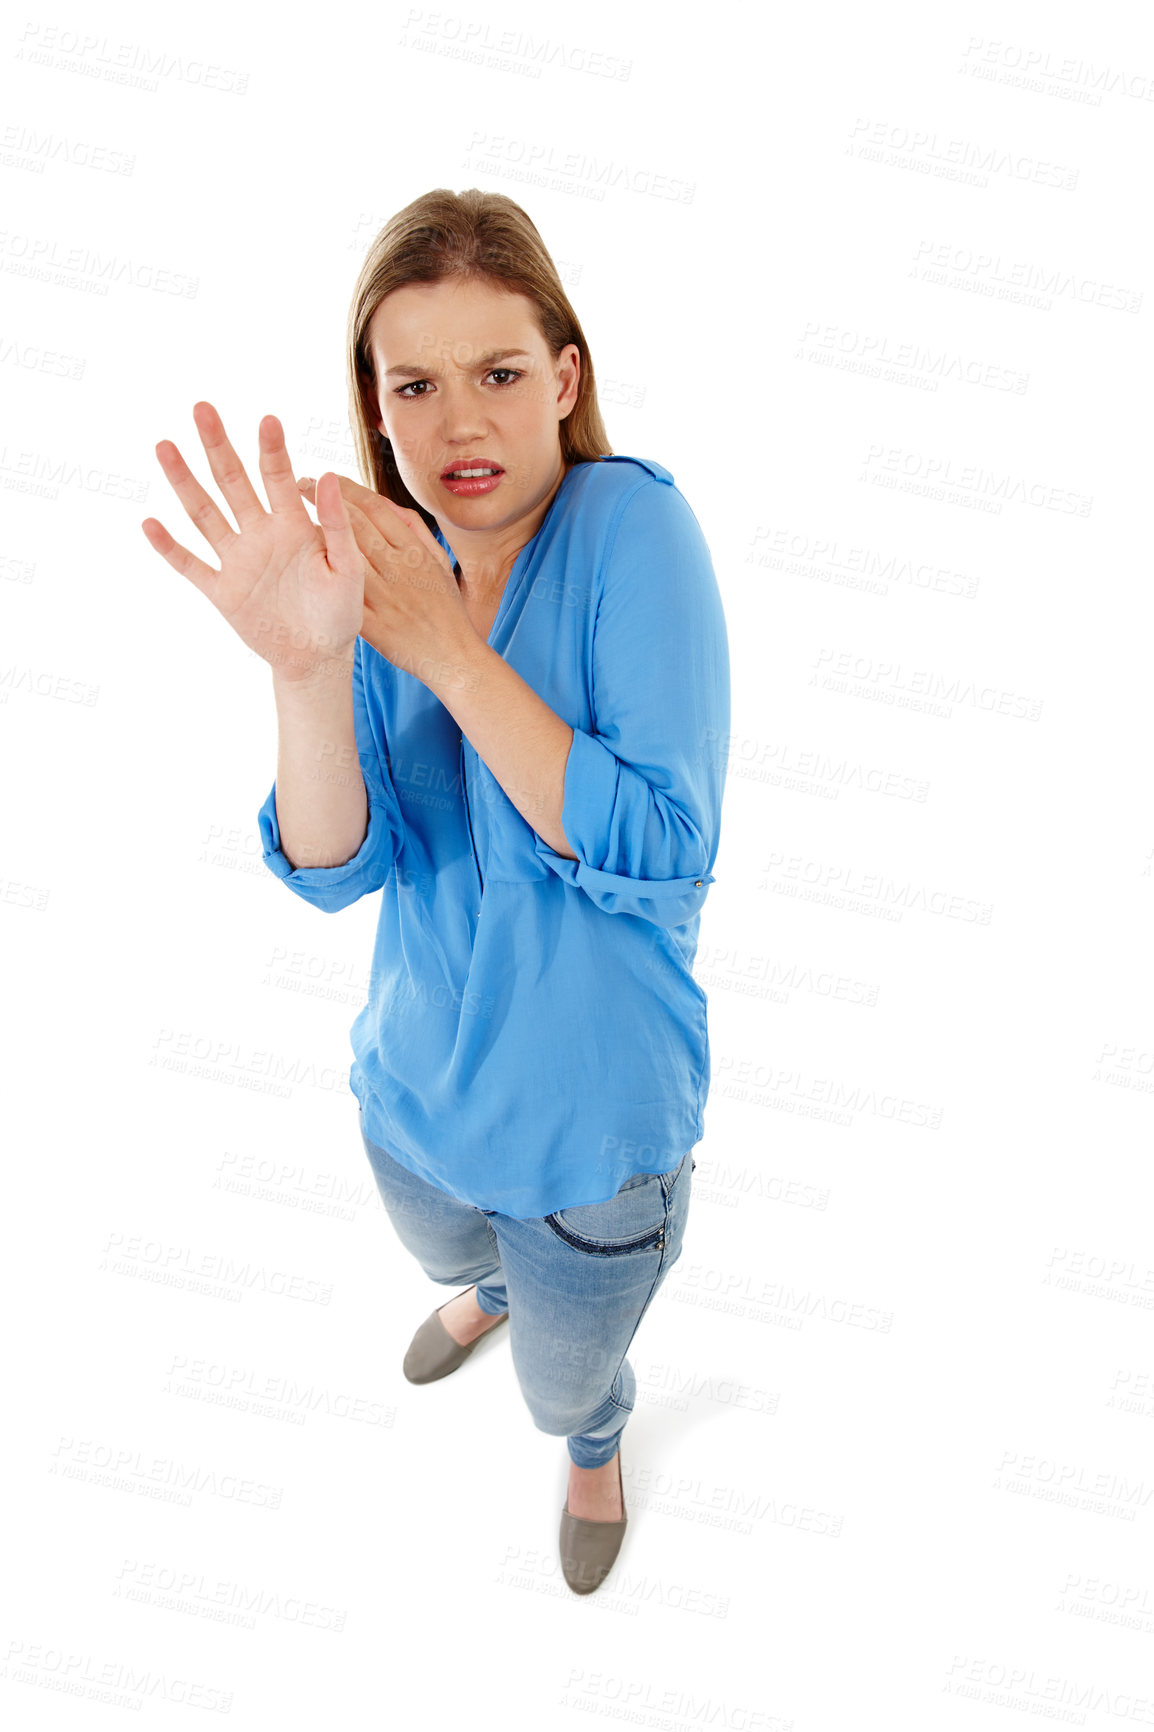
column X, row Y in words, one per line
column 640, row 1318
column 657, row 1274
column 498, row 1265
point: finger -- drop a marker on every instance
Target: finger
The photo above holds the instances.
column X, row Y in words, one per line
column 203, row 510
column 373, row 507
column 276, row 470
column 180, row 559
column 377, row 557
column 344, row 553
column 227, row 468
column 404, row 546
column 386, row 556
column 392, row 522
column 361, row 500
column 354, row 491
column 416, row 523
column 308, row 491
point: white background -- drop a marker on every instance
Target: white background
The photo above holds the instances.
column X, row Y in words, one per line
column 874, row 284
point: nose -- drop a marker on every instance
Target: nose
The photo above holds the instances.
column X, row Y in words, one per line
column 463, row 421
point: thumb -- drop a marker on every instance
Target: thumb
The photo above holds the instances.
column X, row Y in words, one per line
column 344, row 555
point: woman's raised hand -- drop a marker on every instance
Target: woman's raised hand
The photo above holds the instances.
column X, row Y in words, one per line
column 292, row 589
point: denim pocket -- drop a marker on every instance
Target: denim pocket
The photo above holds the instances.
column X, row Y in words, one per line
column 634, row 1220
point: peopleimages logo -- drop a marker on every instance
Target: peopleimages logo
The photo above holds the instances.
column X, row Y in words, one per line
column 129, row 63
column 1070, row 76
column 502, row 50
column 497, row 152
column 959, row 159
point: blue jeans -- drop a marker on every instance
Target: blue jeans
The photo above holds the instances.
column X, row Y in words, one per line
column 576, row 1284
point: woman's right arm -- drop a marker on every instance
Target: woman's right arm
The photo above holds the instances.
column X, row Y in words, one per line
column 293, row 591
column 322, row 807
column 331, row 827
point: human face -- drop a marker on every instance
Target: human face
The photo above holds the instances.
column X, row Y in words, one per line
column 464, row 372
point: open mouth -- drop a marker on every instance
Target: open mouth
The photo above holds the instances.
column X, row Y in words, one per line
column 472, row 478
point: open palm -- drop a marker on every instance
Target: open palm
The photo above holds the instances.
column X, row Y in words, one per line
column 292, row 589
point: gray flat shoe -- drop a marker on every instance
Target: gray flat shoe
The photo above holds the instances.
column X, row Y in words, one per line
column 588, row 1548
column 433, row 1353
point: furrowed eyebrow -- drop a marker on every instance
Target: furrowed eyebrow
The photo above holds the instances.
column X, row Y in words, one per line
column 487, row 360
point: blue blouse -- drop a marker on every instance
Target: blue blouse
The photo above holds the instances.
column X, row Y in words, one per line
column 533, row 1034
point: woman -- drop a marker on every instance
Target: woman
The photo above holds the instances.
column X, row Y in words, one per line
column 502, row 684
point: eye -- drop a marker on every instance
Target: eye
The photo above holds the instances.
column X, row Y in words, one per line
column 512, row 374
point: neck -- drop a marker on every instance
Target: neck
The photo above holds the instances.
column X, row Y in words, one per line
column 482, row 570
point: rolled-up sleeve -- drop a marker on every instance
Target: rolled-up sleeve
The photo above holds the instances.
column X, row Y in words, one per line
column 643, row 791
column 331, row 888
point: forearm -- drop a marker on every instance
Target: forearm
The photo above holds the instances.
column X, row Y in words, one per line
column 321, row 804
column 523, row 742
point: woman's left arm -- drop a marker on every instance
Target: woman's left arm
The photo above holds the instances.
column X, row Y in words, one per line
column 629, row 814
column 643, row 792
column 415, row 617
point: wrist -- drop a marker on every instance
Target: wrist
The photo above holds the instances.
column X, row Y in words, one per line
column 455, row 665
column 298, row 674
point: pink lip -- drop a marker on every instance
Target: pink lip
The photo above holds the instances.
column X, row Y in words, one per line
column 471, row 463
column 476, row 485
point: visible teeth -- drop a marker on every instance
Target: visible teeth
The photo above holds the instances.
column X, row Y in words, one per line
column 468, row 474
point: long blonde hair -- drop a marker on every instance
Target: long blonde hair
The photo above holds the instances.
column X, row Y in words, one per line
column 471, row 236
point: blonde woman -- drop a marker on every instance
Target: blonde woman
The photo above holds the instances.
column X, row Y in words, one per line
column 501, row 674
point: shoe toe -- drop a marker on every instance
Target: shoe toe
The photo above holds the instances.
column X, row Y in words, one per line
column 588, row 1550
column 433, row 1353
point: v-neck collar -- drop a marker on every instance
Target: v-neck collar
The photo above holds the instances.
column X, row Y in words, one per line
column 523, row 554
